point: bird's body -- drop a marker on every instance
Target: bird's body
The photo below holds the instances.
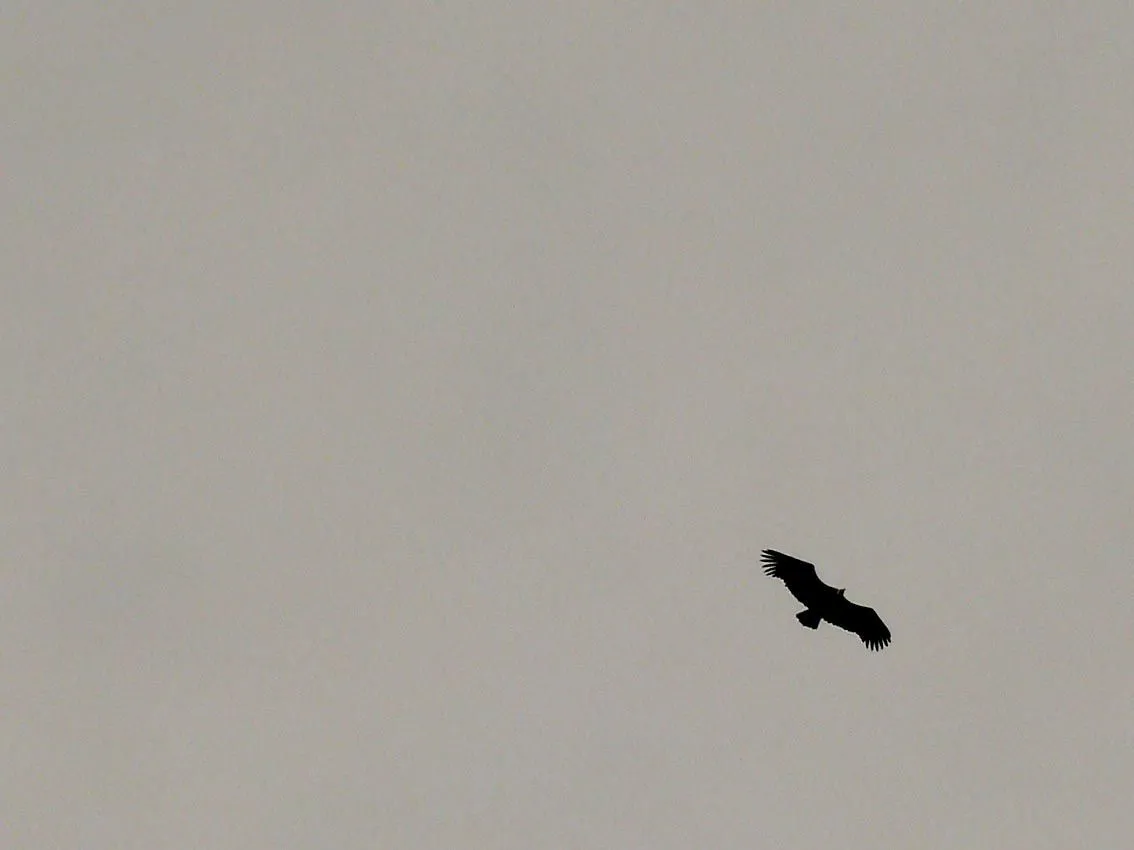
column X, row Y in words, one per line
column 823, row 601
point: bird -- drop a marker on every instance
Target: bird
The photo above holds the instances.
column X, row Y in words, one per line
column 823, row 601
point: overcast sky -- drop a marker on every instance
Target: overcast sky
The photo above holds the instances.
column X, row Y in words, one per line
column 396, row 399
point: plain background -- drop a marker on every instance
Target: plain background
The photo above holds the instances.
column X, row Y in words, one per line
column 396, row 398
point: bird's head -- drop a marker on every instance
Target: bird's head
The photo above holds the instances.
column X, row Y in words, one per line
column 842, row 591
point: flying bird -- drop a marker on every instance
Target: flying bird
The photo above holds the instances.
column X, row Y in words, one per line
column 823, row 601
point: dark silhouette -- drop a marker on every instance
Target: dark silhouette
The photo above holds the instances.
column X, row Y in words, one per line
column 823, row 601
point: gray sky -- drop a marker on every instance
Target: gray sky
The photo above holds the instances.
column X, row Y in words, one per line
column 396, row 400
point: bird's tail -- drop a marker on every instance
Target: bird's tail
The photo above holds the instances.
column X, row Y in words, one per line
column 809, row 618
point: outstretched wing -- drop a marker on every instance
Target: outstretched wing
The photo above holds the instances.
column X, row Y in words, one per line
column 799, row 576
column 859, row 619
